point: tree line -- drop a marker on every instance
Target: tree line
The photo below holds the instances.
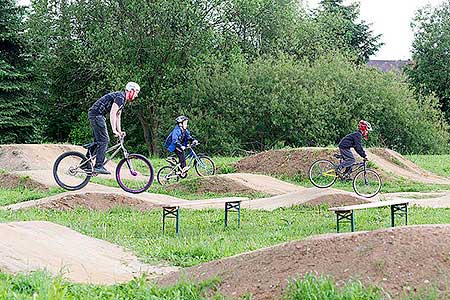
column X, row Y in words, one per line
column 251, row 74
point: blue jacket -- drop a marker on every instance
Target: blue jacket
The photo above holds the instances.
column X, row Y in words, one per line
column 353, row 140
column 177, row 138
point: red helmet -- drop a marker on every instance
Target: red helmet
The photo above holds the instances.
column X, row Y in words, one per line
column 365, row 127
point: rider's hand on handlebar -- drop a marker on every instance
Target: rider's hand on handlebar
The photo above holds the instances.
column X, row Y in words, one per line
column 365, row 159
column 183, row 148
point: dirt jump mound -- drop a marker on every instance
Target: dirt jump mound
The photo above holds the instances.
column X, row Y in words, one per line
column 90, row 201
column 19, row 157
column 30, row 246
column 211, row 184
column 400, row 259
column 296, row 162
column 12, row 181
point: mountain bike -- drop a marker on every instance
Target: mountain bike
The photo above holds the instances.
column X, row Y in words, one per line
column 72, row 170
column 366, row 182
column 203, row 165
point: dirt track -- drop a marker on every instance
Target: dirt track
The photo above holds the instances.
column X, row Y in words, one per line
column 28, row 246
column 395, row 259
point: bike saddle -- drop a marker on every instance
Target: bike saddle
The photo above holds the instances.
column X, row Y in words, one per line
column 90, row 145
column 338, row 156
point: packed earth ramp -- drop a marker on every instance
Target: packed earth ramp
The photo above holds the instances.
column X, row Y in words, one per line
column 30, row 246
column 398, row 260
column 296, row 162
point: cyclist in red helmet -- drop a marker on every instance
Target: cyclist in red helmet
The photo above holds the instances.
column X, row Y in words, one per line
column 353, row 140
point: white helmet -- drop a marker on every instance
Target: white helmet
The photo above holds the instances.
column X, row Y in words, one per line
column 132, row 86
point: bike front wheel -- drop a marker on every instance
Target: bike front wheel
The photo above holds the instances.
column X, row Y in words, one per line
column 167, row 175
column 367, row 183
column 322, row 173
column 72, row 170
column 134, row 174
column 204, row 166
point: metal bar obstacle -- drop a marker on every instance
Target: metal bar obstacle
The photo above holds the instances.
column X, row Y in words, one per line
column 171, row 212
column 346, row 213
column 233, row 206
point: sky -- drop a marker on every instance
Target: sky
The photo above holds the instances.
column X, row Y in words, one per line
column 390, row 18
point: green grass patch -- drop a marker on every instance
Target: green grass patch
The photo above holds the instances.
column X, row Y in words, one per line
column 202, row 234
column 41, row 286
column 438, row 164
column 11, row 196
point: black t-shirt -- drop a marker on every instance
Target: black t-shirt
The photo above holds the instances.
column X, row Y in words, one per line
column 103, row 105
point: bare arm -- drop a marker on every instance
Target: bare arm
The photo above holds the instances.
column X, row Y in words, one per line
column 114, row 118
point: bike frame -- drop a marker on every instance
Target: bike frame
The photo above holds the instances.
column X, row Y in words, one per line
column 116, row 148
column 361, row 165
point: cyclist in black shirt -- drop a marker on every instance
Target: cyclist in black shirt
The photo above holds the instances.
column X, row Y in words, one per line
column 353, row 140
column 112, row 103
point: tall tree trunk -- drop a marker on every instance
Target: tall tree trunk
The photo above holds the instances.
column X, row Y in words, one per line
column 147, row 133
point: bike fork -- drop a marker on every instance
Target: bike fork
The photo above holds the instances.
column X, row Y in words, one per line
column 130, row 167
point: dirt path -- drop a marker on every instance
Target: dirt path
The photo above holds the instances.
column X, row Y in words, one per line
column 263, row 183
column 393, row 162
column 395, row 259
column 28, row 246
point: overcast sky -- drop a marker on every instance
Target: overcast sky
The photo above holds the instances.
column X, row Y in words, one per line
column 391, row 18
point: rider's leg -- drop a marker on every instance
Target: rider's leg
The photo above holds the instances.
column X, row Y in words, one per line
column 101, row 137
column 348, row 160
column 181, row 158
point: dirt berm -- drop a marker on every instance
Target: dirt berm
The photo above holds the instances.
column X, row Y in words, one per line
column 29, row 246
column 399, row 259
column 296, row 162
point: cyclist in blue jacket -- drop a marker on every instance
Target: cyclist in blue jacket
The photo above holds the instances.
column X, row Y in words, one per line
column 353, row 140
column 178, row 140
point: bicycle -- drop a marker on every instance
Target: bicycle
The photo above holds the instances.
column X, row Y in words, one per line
column 73, row 170
column 204, row 166
column 366, row 182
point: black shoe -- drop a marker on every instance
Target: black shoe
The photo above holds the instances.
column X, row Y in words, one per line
column 101, row 170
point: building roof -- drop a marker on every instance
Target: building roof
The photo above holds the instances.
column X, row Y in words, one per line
column 388, row 65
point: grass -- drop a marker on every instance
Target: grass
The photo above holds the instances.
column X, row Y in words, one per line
column 11, row 196
column 41, row 286
column 202, row 234
column 438, row 164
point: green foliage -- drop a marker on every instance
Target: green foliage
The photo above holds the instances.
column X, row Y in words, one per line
column 282, row 101
column 81, row 131
column 341, row 27
column 438, row 164
column 312, row 287
column 41, row 286
column 430, row 53
column 18, row 107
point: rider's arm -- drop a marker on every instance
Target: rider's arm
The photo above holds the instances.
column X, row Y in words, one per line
column 358, row 146
column 114, row 117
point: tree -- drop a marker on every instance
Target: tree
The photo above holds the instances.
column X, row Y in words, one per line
column 18, row 108
column 341, row 27
column 430, row 71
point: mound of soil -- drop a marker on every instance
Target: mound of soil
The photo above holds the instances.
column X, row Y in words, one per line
column 95, row 201
column 334, row 200
column 211, row 184
column 30, row 246
column 12, row 181
column 19, row 157
column 398, row 259
column 290, row 162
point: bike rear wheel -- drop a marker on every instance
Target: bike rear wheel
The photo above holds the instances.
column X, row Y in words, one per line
column 322, row 173
column 204, row 166
column 135, row 174
column 72, row 170
column 367, row 183
column 167, row 175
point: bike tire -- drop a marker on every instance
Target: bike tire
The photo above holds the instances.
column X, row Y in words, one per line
column 378, row 180
column 57, row 178
column 208, row 160
column 329, row 165
column 160, row 175
column 149, row 181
